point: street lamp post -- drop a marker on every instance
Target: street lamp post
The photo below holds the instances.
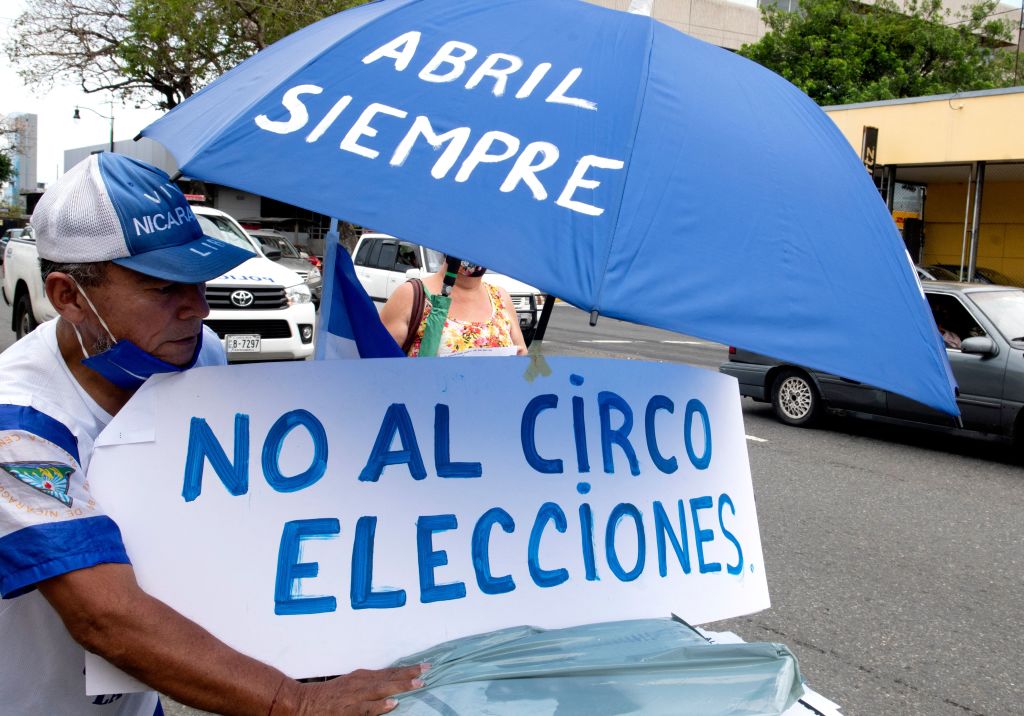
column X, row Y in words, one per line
column 77, row 115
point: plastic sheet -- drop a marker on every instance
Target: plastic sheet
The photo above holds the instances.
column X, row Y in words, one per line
column 648, row 666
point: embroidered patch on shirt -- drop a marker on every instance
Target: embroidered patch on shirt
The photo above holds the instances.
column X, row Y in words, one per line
column 50, row 478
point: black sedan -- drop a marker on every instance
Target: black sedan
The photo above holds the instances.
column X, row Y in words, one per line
column 983, row 330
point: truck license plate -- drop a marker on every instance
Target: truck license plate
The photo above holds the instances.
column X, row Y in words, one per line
column 242, row 344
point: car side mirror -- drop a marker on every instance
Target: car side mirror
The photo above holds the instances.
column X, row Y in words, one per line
column 979, row 345
column 303, row 255
column 414, row 273
column 272, row 254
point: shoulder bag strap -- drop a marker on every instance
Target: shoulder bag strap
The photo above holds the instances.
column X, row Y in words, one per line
column 416, row 315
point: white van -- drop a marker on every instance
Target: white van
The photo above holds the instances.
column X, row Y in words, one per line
column 383, row 263
column 261, row 310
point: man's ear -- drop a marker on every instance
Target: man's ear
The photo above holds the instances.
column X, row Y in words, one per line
column 66, row 298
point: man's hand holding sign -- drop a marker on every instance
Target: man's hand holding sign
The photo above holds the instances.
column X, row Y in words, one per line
column 106, row 612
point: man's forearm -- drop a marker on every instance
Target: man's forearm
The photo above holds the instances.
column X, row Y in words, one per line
column 106, row 611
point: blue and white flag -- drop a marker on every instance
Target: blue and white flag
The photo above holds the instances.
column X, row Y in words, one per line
column 349, row 325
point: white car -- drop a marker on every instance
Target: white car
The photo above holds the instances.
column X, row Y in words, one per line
column 260, row 309
column 383, row 263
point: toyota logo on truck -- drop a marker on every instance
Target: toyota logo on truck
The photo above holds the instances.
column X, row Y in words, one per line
column 242, row 299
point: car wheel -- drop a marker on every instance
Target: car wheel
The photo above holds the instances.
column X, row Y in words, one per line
column 795, row 399
column 24, row 321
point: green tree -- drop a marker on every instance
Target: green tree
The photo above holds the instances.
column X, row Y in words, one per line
column 7, row 131
column 6, row 168
column 156, row 52
column 841, row 51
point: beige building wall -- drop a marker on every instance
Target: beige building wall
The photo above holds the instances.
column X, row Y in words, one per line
column 726, row 24
column 1001, row 241
column 934, row 140
column 946, row 128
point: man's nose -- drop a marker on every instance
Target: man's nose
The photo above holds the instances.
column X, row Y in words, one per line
column 194, row 303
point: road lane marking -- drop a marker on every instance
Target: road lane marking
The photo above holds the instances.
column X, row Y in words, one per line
column 756, row 440
column 602, row 340
column 686, row 343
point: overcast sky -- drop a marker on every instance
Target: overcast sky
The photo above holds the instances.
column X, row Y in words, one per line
column 57, row 131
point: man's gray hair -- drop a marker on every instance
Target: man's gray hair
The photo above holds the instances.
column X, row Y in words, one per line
column 86, row 275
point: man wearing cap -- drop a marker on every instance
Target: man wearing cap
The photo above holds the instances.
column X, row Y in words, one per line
column 124, row 262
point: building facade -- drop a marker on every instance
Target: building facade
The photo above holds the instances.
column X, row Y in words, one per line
column 720, row 22
column 956, row 162
column 732, row 24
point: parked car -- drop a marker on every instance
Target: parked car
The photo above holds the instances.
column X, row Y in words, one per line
column 982, row 274
column 383, row 263
column 22, row 286
column 277, row 247
column 935, row 273
column 986, row 321
column 13, row 234
column 261, row 310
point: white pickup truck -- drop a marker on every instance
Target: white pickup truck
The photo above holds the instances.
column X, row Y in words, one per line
column 260, row 309
column 383, row 263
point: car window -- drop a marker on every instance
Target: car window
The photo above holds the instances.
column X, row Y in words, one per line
column 996, row 277
column 388, row 255
column 23, row 234
column 363, row 255
column 953, row 319
column 435, row 259
column 938, row 273
column 371, row 260
column 276, row 242
column 408, row 256
column 1005, row 309
column 218, row 227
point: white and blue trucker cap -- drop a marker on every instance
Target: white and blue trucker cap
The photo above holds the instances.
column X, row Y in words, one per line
column 110, row 207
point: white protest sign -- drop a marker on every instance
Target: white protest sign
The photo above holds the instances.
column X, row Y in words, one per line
column 333, row 515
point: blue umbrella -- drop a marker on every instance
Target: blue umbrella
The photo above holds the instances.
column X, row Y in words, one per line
column 600, row 156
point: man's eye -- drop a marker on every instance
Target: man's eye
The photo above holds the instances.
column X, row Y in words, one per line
column 168, row 289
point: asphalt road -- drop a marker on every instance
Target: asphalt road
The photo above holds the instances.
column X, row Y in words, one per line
column 893, row 555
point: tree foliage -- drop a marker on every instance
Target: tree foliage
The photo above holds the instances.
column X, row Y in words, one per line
column 8, row 130
column 842, row 51
column 6, row 168
column 156, row 52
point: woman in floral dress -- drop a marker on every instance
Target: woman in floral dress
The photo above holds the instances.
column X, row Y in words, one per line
column 481, row 316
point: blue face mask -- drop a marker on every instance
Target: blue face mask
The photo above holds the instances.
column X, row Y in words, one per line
column 125, row 364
